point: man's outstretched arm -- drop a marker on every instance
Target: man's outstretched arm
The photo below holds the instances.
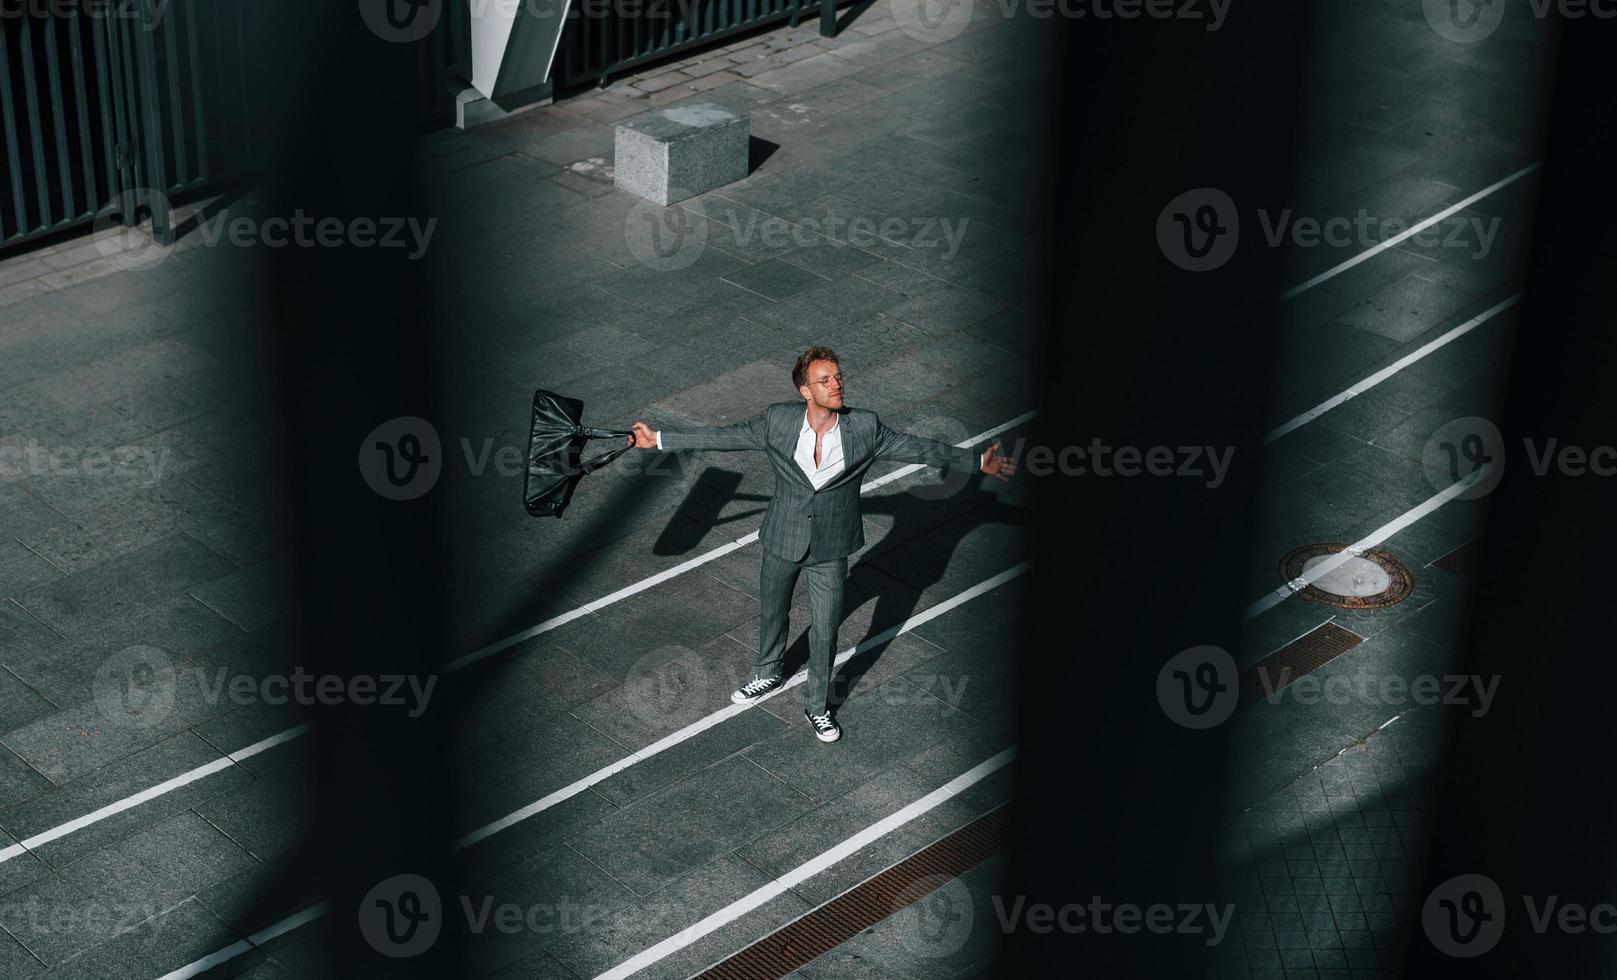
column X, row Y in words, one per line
column 742, row 435
column 906, row 448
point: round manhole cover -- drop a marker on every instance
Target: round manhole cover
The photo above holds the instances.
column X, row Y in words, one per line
column 1369, row 580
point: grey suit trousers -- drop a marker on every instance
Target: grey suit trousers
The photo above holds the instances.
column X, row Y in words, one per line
column 826, row 582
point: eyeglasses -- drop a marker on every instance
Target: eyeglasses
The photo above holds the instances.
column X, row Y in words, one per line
column 823, row 382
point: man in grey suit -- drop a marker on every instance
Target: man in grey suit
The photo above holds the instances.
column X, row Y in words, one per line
column 820, row 450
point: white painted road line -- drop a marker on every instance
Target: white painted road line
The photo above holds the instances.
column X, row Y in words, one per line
column 152, row 793
column 573, row 789
column 252, row 942
column 723, row 714
column 218, row 765
column 1359, row 547
column 1361, row 387
column 808, row 869
column 1407, row 234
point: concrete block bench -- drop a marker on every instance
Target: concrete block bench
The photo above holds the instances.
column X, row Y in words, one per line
column 669, row 154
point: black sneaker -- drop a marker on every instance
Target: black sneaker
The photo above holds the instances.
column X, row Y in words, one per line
column 754, row 689
column 825, row 729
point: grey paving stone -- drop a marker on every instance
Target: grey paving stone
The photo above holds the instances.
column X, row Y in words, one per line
column 25, row 513
column 158, row 945
column 114, row 783
column 627, row 928
column 689, row 610
column 565, row 892
column 830, row 258
column 1406, row 309
column 722, row 808
column 975, row 546
column 19, row 781
column 531, row 680
column 888, row 850
column 883, row 725
column 262, row 817
column 121, row 588
column 162, row 865
column 121, row 720
column 515, row 765
column 55, row 919
column 668, row 686
column 1366, row 482
column 16, row 960
column 689, row 757
column 21, row 569
column 774, row 279
column 136, row 520
column 249, row 598
column 264, row 893
column 20, row 703
column 839, row 817
column 248, row 724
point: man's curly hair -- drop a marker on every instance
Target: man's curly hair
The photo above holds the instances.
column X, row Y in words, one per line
column 800, row 369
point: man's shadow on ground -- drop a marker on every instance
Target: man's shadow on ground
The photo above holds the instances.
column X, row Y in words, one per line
column 923, row 567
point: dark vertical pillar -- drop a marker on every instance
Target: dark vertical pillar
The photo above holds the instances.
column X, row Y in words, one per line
column 353, row 343
column 1159, row 333
column 1526, row 804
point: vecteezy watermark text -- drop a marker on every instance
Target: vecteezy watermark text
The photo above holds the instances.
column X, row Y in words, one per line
column 1472, row 691
column 1458, row 449
column 935, row 21
column 1210, row 463
column 306, row 231
column 143, row 465
column 1199, row 229
column 1465, row 916
column 117, row 236
column 671, row 238
column 1100, row 917
column 140, row 686
column 404, row 915
column 38, row 917
column 148, row 12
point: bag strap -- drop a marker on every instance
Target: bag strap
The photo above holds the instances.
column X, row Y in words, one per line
column 590, row 432
column 590, row 466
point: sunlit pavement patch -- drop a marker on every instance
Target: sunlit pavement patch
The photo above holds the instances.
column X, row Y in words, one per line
column 1369, row 580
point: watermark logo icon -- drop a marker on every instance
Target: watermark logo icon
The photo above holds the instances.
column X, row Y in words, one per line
column 1198, row 230
column 1464, row 21
column 134, row 688
column 933, row 916
column 1464, row 916
column 1460, row 448
column 402, row 458
column 402, row 916
column 665, row 239
column 119, row 237
column 668, row 685
column 1198, row 687
column 932, row 21
column 400, row 21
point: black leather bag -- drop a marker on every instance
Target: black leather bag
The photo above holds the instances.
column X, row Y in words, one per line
column 556, row 441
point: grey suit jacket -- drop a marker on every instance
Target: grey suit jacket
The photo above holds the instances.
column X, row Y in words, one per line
column 799, row 516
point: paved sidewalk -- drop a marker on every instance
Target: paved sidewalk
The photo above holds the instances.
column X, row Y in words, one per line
column 885, row 216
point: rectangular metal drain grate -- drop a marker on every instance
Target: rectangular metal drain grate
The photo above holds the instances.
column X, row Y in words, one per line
column 1461, row 560
column 803, row 940
column 1301, row 656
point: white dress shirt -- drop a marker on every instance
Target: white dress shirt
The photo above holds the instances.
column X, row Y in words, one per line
column 830, row 453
